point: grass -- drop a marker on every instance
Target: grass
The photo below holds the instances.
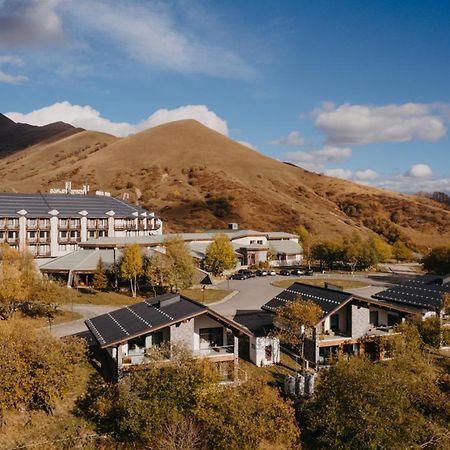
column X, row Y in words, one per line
column 207, row 296
column 320, row 282
column 92, row 297
column 61, row 317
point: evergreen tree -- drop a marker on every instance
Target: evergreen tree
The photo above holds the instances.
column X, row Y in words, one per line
column 100, row 280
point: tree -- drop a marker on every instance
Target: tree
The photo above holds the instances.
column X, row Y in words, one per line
column 295, row 321
column 326, row 252
column 100, row 280
column 358, row 253
column 359, row 404
column 438, row 260
column 36, row 369
column 147, row 410
column 382, row 249
column 220, row 255
column 305, row 239
column 182, row 263
column 131, row 266
column 400, row 251
column 158, row 270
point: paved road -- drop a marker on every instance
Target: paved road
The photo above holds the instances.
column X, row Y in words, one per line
column 87, row 311
column 245, row 306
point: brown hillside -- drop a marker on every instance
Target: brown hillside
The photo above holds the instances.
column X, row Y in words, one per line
column 17, row 136
column 196, row 178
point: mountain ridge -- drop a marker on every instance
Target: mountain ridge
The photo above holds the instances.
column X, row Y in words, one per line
column 197, row 178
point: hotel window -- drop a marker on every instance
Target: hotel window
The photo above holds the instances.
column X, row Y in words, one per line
column 73, row 234
column 43, row 235
column 102, row 233
column 11, row 235
column 32, row 235
column 92, row 233
column 32, row 223
column 2, row 235
column 63, row 234
column 92, row 223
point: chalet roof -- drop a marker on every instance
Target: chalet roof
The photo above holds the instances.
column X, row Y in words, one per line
column 39, row 205
column 424, row 292
column 327, row 299
column 149, row 316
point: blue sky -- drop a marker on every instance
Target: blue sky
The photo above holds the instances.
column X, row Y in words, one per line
column 356, row 89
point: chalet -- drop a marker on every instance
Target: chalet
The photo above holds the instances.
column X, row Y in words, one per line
column 125, row 336
column 350, row 324
column 51, row 225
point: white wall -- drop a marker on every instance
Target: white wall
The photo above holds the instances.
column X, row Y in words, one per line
column 258, row 350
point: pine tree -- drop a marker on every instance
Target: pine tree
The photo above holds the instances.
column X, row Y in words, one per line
column 100, row 280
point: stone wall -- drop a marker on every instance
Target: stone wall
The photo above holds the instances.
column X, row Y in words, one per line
column 359, row 320
column 183, row 333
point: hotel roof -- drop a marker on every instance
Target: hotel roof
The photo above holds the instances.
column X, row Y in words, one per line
column 46, row 205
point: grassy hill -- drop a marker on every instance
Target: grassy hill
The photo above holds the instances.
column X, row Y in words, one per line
column 196, row 178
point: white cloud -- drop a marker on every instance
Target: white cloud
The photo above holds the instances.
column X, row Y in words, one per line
column 366, row 174
column 150, row 33
column 404, row 183
column 366, row 124
column 294, row 138
column 316, row 160
column 339, row 173
column 247, row 144
column 420, row 171
column 29, row 23
column 6, row 77
column 91, row 119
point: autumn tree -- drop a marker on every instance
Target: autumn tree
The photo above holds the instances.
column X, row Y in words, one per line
column 382, row 249
column 182, row 263
column 295, row 321
column 400, row 251
column 159, row 271
column 36, row 369
column 220, row 255
column 438, row 260
column 100, row 280
column 131, row 266
column 358, row 253
column 306, row 241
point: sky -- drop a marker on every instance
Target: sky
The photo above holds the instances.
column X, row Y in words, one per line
column 357, row 89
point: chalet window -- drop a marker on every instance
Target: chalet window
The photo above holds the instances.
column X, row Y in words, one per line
column 157, row 338
column 136, row 345
column 393, row 319
column 374, row 318
column 211, row 337
column 268, row 352
column 334, row 322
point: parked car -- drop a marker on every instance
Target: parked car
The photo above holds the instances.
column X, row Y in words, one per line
column 248, row 273
column 272, row 273
column 309, row 272
column 261, row 273
column 285, row 272
column 238, row 276
column 297, row 272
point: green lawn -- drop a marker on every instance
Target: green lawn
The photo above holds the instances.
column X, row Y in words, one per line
column 344, row 284
column 206, row 296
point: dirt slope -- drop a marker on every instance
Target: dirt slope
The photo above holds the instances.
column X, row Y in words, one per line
column 196, row 178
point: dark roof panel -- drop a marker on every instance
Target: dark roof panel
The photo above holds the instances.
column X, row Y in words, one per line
column 327, row 299
column 39, row 205
column 424, row 292
column 142, row 318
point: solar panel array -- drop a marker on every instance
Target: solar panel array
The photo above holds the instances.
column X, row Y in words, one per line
column 421, row 292
column 39, row 205
column 141, row 318
column 327, row 299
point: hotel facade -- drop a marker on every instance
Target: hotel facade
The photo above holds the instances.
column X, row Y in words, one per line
column 52, row 225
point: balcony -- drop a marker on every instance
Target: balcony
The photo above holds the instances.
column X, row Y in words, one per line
column 224, row 352
column 12, row 225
